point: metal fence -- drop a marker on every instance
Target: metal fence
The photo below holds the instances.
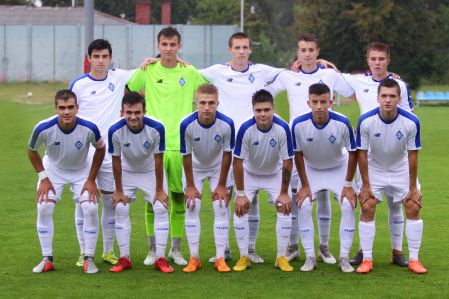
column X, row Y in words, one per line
column 56, row 52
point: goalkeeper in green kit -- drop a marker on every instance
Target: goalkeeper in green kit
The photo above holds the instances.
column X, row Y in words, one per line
column 169, row 92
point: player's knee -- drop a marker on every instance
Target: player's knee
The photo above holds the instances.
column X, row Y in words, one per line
column 220, row 212
column 369, row 207
column 411, row 209
column 306, row 207
column 89, row 209
column 159, row 209
column 121, row 210
column 346, row 208
column 282, row 210
column 45, row 209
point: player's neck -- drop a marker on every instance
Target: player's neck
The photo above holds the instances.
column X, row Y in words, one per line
column 67, row 126
column 239, row 66
column 308, row 68
column 169, row 63
column 320, row 122
column 380, row 77
column 388, row 116
column 97, row 75
column 206, row 122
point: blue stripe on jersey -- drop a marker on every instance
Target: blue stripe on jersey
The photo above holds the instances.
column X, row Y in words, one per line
column 183, row 127
column 345, row 120
column 159, row 127
column 114, row 128
column 229, row 121
column 414, row 119
column 364, row 116
column 241, row 133
column 40, row 128
column 284, row 125
column 93, row 127
column 296, row 121
column 409, row 97
column 77, row 79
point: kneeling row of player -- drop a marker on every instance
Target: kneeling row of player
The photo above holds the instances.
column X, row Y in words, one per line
column 388, row 139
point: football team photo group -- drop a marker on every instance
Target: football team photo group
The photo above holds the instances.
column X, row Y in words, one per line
column 169, row 131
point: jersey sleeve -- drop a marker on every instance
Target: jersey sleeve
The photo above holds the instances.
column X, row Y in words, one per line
column 348, row 138
column 362, row 136
column 114, row 145
column 342, row 87
column 406, row 98
column 209, row 73
column 414, row 136
column 125, row 75
column 241, row 144
column 198, row 78
column 276, row 86
column 229, row 138
column 37, row 138
column 285, row 143
column 297, row 146
column 159, row 140
column 137, row 81
column 186, row 140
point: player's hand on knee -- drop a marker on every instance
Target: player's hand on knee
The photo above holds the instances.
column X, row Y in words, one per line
column 45, row 186
column 349, row 193
column 284, row 203
column 365, row 194
column 190, row 194
column 221, row 194
column 92, row 191
column 302, row 194
column 119, row 196
column 415, row 195
column 241, row 205
column 162, row 197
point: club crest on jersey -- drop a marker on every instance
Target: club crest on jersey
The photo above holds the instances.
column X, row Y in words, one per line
column 399, row 135
column 229, row 80
column 366, row 90
column 146, row 145
column 182, row 82
column 111, row 87
column 273, row 142
column 321, row 81
column 377, row 135
column 298, row 84
column 251, row 78
column 127, row 144
column 78, row 145
column 93, row 92
column 332, row 139
column 217, row 138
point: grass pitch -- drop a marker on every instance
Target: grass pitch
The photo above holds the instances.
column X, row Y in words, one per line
column 21, row 251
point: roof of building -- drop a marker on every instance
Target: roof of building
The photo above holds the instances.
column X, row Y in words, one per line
column 46, row 15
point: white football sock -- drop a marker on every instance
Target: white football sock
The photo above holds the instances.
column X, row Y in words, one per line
column 79, row 218
column 306, row 228
column 294, row 234
column 347, row 228
column 395, row 223
column 323, row 216
column 283, row 231
column 414, row 229
column 221, row 228
column 45, row 229
column 160, row 228
column 192, row 226
column 367, row 231
column 108, row 223
column 253, row 222
column 90, row 227
column 123, row 228
column 241, row 233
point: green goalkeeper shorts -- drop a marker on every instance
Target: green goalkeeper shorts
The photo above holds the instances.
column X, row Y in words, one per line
column 173, row 170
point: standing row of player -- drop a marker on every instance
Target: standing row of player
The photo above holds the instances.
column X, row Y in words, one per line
column 169, row 90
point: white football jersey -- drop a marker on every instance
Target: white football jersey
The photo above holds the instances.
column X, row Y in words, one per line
column 100, row 100
column 65, row 150
column 326, row 146
column 236, row 88
column 137, row 148
column 207, row 144
column 297, row 86
column 263, row 152
column 388, row 143
column 365, row 88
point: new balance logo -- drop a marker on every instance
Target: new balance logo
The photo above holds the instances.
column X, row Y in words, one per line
column 159, row 81
column 229, row 80
column 365, row 90
column 127, row 144
column 256, row 143
column 196, row 139
column 309, row 139
column 298, row 84
column 57, row 143
column 377, row 135
column 93, row 92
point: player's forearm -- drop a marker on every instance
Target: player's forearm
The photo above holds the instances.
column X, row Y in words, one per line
column 286, row 175
column 188, row 169
column 300, row 167
column 96, row 163
column 238, row 173
column 36, row 160
column 363, row 166
column 159, row 170
column 352, row 165
column 225, row 165
column 413, row 167
column 117, row 171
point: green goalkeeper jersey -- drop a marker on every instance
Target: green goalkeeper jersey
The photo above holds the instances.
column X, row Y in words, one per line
column 169, row 93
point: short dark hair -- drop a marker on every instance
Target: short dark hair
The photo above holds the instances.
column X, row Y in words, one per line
column 376, row 46
column 133, row 98
column 65, row 94
column 389, row 83
column 319, row 89
column 99, row 44
column 169, row 31
column 308, row 37
column 238, row 35
column 262, row 96
column 207, row 88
